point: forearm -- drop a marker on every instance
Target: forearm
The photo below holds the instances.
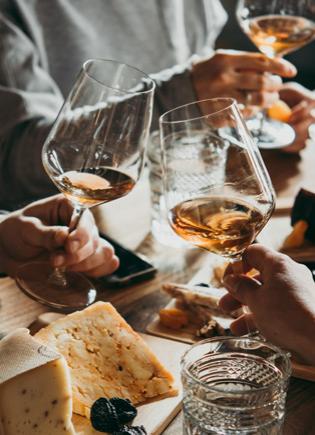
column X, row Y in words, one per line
column 22, row 176
column 3, row 215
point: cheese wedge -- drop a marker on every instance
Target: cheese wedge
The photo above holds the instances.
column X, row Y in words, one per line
column 36, row 401
column 106, row 358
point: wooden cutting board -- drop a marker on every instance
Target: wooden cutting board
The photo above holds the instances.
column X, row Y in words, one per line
column 154, row 416
column 188, row 333
column 274, row 234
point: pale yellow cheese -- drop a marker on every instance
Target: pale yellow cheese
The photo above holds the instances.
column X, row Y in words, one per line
column 83, row 426
column 106, row 358
column 38, row 402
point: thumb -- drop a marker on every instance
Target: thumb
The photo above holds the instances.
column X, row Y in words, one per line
column 45, row 237
column 242, row 287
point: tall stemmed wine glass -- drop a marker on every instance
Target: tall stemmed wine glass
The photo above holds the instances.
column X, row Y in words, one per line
column 94, row 154
column 276, row 27
column 218, row 192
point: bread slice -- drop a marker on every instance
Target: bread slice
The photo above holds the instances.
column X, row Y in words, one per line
column 106, row 358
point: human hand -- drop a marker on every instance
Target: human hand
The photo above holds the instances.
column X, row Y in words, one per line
column 40, row 230
column 251, row 78
column 281, row 299
column 302, row 102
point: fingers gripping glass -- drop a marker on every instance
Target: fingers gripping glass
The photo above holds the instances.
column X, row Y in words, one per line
column 218, row 193
column 277, row 28
column 94, row 154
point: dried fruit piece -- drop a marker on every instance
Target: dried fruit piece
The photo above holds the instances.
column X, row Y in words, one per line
column 173, row 318
column 131, row 430
column 296, row 238
column 211, row 329
column 126, row 412
column 280, row 111
column 104, row 417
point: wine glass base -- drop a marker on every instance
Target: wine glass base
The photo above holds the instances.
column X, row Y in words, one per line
column 274, row 135
column 74, row 292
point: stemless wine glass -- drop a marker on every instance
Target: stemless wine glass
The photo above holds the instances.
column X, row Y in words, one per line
column 277, row 28
column 217, row 189
column 94, row 153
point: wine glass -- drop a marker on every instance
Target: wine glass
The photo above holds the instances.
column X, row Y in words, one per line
column 276, row 27
column 94, row 153
column 218, row 192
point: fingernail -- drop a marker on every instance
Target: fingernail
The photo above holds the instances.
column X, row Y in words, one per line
column 74, row 246
column 59, row 260
column 292, row 69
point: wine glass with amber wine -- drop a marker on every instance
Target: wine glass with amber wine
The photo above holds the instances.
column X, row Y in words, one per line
column 277, row 28
column 94, row 154
column 218, row 192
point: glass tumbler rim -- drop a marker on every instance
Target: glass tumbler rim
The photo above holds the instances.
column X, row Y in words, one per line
column 232, row 103
column 117, row 62
column 276, row 349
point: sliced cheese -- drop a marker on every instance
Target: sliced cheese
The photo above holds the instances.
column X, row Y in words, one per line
column 106, row 358
column 37, row 401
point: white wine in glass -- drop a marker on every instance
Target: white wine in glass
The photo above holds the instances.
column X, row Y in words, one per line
column 277, row 28
column 278, row 35
column 218, row 192
column 94, row 154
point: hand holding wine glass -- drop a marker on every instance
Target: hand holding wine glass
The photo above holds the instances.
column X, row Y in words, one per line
column 94, row 153
column 39, row 231
column 277, row 28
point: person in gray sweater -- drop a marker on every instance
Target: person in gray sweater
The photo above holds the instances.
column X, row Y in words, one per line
column 43, row 44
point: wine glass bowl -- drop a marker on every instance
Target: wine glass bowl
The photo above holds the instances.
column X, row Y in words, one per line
column 95, row 150
column 94, row 153
column 279, row 27
column 217, row 189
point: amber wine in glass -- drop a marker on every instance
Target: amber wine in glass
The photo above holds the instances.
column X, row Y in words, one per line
column 277, row 35
column 94, row 153
column 277, row 28
column 223, row 213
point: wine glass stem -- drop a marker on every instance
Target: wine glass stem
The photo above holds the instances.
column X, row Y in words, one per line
column 262, row 120
column 58, row 276
column 238, row 269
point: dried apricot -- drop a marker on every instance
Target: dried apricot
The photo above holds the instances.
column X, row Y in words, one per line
column 280, row 111
column 297, row 236
column 173, row 318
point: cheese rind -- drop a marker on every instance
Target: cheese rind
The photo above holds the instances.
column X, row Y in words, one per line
column 106, row 358
column 38, row 402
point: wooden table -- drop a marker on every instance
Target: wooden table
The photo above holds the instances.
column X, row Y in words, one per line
column 138, row 304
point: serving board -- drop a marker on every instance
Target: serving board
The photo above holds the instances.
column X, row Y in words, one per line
column 154, row 416
column 275, row 233
column 188, row 333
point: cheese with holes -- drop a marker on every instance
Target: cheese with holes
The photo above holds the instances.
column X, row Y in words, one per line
column 106, row 358
column 36, row 401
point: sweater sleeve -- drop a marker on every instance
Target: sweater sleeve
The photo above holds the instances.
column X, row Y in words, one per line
column 29, row 103
column 174, row 88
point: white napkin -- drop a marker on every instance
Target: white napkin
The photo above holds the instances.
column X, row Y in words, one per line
column 19, row 353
